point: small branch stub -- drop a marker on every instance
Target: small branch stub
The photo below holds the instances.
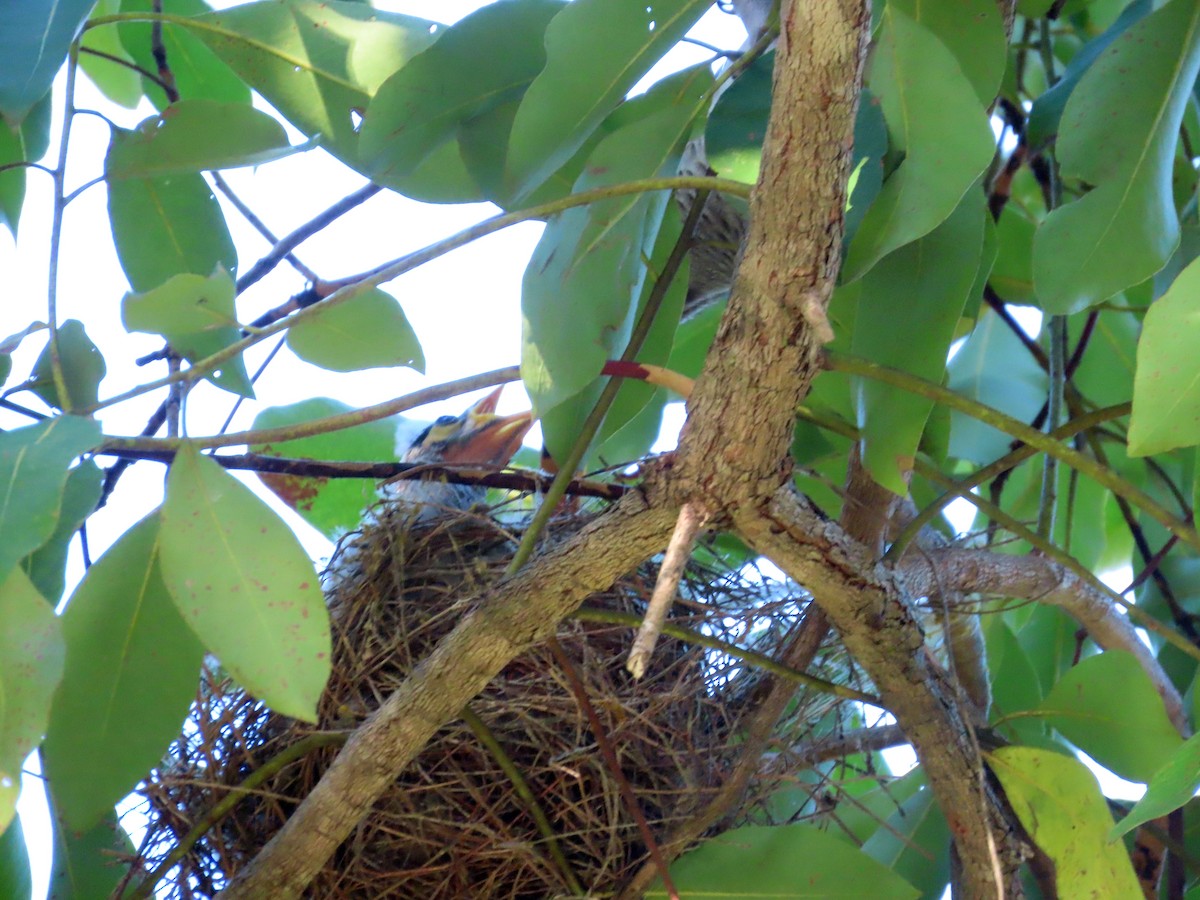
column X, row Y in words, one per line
column 679, row 550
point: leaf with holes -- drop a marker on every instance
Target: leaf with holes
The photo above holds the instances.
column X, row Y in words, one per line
column 244, row 585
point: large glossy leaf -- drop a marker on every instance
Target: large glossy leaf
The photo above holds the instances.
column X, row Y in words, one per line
column 635, row 417
column 1107, row 707
column 166, row 225
column 588, row 269
column 83, row 368
column 1048, row 107
column 33, row 45
column 973, row 31
column 331, row 505
column 596, row 51
column 1118, row 135
column 485, row 60
column 31, row 664
column 936, row 119
column 46, row 565
column 193, row 135
column 244, row 585
column 909, row 307
column 198, row 73
column 34, row 465
column 12, row 181
column 318, row 63
column 83, row 861
column 1166, row 391
column 15, row 878
column 197, row 316
column 914, row 843
column 368, row 331
column 119, row 83
column 131, row 673
column 1059, row 803
column 994, row 368
column 1170, row 788
column 782, row 861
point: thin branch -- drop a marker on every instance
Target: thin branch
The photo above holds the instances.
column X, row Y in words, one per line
column 259, row 225
column 284, row 246
column 353, row 288
column 1039, row 440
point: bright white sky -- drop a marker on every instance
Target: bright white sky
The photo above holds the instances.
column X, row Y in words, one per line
column 465, row 307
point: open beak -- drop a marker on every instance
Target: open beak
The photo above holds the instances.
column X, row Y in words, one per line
column 487, row 438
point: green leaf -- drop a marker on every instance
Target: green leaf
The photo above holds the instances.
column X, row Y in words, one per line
column 197, row 316
column 12, row 181
column 83, row 369
column 46, row 566
column 929, row 280
column 733, row 135
column 1048, row 107
column 16, row 880
column 579, row 288
column 635, row 417
column 318, row 63
column 35, row 130
column 1015, row 685
column 1119, row 134
column 1012, row 276
column 596, row 51
column 164, row 226
column 1107, row 707
column 244, row 585
column 31, row 664
column 83, row 862
column 973, row 31
column 193, row 135
column 1059, row 803
column 914, row 843
column 119, row 83
column 1166, row 392
column 936, row 119
column 782, row 861
column 367, row 331
column 33, row 45
column 485, row 60
column 198, row 73
column 331, row 505
column 1170, row 788
column 34, row 465
column 870, row 145
column 130, row 678
column 994, row 368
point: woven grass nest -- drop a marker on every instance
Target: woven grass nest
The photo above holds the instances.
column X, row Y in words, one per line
column 454, row 825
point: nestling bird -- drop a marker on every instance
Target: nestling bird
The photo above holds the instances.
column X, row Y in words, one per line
column 476, row 437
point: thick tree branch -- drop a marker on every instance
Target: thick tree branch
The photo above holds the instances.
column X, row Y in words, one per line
column 734, row 449
column 1043, row 580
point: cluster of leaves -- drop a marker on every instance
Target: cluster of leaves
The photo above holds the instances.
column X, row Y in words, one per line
column 1084, row 207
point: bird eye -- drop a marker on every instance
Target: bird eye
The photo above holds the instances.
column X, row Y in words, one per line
column 446, row 420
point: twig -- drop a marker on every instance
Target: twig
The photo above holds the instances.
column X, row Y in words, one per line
column 258, row 224
column 604, row 742
column 484, row 735
column 679, row 551
column 594, row 419
column 284, row 246
column 226, row 804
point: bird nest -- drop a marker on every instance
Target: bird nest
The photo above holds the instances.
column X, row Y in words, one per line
column 463, row 819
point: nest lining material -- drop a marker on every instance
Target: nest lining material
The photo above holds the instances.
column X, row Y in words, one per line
column 454, row 826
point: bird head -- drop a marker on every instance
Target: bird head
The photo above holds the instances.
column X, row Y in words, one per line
column 477, row 436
